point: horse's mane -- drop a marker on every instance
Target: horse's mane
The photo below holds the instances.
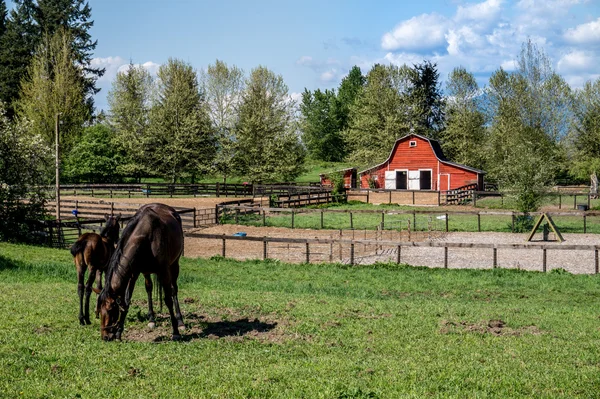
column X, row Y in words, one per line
column 116, row 257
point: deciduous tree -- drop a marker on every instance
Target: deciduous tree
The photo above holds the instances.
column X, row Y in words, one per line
column 181, row 141
column 223, row 87
column 321, row 126
column 267, row 146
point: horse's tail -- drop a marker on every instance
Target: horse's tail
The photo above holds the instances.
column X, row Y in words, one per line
column 78, row 247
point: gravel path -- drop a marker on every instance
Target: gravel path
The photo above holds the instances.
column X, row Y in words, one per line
column 580, row 262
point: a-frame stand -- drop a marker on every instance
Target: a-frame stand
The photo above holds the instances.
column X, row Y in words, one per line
column 548, row 219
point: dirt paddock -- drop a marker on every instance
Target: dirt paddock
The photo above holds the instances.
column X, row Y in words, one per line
column 580, row 262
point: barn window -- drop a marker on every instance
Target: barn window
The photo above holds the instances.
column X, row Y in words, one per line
column 412, row 143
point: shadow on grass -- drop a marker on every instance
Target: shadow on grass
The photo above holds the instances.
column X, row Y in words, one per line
column 200, row 328
column 8, row 264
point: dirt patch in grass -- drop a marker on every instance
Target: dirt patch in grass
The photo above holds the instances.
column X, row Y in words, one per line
column 494, row 327
column 226, row 324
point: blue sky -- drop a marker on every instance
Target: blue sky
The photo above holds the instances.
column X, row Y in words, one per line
column 313, row 44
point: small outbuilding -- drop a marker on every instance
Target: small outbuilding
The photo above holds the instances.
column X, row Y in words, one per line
column 418, row 163
column 349, row 174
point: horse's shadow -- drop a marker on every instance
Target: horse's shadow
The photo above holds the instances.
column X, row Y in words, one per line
column 217, row 329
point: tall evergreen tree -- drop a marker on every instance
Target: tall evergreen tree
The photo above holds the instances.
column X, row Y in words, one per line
column 320, row 125
column 75, row 17
column 464, row 135
column 268, row 147
column 427, row 100
column 3, row 16
column 380, row 115
column 17, row 46
column 181, row 140
column 349, row 89
column 129, row 105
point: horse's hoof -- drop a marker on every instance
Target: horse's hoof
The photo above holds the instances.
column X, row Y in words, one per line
column 152, row 325
column 82, row 322
column 88, row 322
column 181, row 327
column 176, row 337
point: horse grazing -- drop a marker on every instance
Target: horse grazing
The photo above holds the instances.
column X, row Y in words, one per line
column 152, row 243
column 92, row 251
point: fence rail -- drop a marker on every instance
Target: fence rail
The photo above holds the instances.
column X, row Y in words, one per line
column 399, row 245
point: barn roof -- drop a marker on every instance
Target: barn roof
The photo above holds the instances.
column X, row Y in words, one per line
column 437, row 150
column 336, row 171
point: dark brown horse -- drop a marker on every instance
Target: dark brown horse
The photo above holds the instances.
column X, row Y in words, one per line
column 152, row 243
column 92, row 252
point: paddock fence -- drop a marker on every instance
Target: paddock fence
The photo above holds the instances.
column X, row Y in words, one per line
column 365, row 252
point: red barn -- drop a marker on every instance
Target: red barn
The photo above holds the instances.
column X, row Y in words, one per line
column 349, row 178
column 418, row 163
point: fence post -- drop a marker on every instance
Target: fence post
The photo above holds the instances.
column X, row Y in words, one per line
column 413, row 195
column 589, row 196
column 223, row 251
column 512, row 227
column 575, row 201
column 414, row 221
column 264, row 248
column 217, row 214
column 368, row 195
column 321, row 218
column 474, row 198
column 307, row 252
column 439, row 198
column 398, row 254
column 352, row 254
column 390, row 201
column 446, row 222
column 237, row 215
column 194, row 217
column 559, row 201
column 264, row 218
column 445, row 257
column 584, row 223
column 596, row 261
column 382, row 220
column 495, row 258
column 292, row 218
column 351, row 221
column 544, row 261
column 218, row 190
column 479, row 222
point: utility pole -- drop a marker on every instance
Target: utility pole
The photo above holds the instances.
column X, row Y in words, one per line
column 56, row 128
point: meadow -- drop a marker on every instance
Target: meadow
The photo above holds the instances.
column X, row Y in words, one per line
column 261, row 329
column 424, row 222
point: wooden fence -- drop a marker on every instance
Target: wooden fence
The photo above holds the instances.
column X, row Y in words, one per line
column 352, row 244
column 454, row 197
column 445, row 215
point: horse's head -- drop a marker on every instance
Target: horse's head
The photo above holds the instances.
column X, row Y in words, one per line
column 111, row 228
column 111, row 309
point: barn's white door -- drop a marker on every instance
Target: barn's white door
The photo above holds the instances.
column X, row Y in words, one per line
column 414, row 177
column 390, row 179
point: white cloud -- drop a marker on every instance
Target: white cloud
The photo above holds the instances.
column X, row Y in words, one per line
column 509, row 65
column 305, row 60
column 329, row 76
column 112, row 65
column 584, row 33
column 150, row 66
column 488, row 10
column 425, row 31
column 577, row 60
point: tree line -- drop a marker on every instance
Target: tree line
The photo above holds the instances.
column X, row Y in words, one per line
column 527, row 128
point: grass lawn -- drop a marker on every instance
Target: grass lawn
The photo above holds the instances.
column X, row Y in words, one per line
column 424, row 222
column 274, row 330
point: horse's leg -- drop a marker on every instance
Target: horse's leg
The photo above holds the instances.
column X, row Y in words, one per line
column 88, row 292
column 174, row 276
column 80, row 287
column 125, row 306
column 148, row 283
column 99, row 279
column 165, row 281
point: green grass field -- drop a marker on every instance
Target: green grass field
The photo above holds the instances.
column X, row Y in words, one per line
column 274, row 330
column 424, row 222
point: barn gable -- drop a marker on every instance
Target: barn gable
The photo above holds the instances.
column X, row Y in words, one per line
column 418, row 163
